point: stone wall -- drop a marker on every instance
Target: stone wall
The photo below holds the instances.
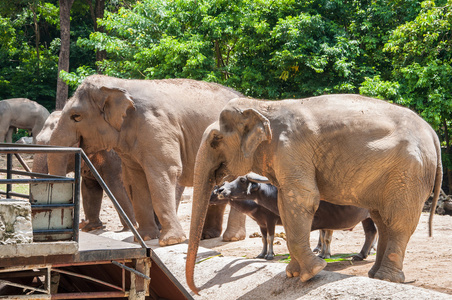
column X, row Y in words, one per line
column 15, row 222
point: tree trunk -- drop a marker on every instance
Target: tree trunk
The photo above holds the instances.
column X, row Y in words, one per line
column 97, row 12
column 63, row 61
column 37, row 37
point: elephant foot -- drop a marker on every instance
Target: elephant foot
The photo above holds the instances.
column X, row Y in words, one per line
column 171, row 238
column 269, row 256
column 307, row 274
column 210, row 233
column 372, row 271
column 147, row 235
column 325, row 255
column 317, row 264
column 124, row 229
column 358, row 257
column 126, row 226
column 293, row 269
column 86, row 225
column 234, row 235
column 389, row 275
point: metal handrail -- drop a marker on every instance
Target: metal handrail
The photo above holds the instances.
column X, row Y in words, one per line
column 10, row 149
column 14, row 149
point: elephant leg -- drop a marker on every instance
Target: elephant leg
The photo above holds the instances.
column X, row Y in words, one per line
column 40, row 163
column 9, row 134
column 35, row 131
column 5, row 120
column 382, row 242
column 179, row 191
column 270, row 239
column 297, row 205
column 326, row 244
column 263, row 253
column 114, row 183
column 400, row 225
column 137, row 188
column 214, row 221
column 318, row 248
column 162, row 184
column 92, row 194
column 370, row 232
column 271, row 254
column 236, row 229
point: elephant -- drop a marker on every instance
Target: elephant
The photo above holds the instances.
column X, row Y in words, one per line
column 107, row 163
column 21, row 113
column 344, row 149
column 155, row 126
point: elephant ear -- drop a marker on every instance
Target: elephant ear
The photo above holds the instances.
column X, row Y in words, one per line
column 114, row 103
column 252, row 187
column 256, row 130
column 214, row 138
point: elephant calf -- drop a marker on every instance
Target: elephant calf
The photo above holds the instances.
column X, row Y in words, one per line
column 264, row 210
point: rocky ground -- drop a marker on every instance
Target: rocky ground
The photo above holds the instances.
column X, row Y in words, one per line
column 231, row 272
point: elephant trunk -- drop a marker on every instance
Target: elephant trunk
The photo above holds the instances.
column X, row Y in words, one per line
column 61, row 136
column 204, row 181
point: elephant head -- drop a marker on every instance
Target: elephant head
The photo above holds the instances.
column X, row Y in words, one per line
column 240, row 130
column 92, row 118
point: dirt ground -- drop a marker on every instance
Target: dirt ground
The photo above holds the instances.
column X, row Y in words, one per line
column 428, row 260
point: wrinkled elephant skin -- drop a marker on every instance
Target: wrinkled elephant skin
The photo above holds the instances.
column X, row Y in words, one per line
column 344, row 149
column 156, row 127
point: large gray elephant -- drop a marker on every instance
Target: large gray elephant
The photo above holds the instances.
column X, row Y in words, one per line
column 156, row 127
column 107, row 163
column 344, row 149
column 21, row 113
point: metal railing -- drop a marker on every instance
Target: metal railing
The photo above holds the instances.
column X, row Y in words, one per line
column 14, row 149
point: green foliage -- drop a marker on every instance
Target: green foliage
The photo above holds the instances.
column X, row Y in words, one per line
column 333, row 259
column 20, row 133
column 394, row 50
column 421, row 62
column 26, row 69
column 421, row 74
column 378, row 88
column 266, row 49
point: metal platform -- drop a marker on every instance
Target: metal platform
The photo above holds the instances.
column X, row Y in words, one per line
column 69, row 264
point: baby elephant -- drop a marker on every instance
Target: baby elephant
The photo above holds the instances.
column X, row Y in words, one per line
column 254, row 196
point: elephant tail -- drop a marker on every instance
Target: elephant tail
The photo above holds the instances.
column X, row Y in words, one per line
column 437, row 187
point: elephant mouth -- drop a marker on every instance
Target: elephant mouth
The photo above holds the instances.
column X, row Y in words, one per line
column 80, row 142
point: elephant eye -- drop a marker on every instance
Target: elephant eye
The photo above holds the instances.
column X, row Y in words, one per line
column 76, row 117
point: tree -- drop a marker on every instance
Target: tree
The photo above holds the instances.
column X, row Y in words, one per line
column 28, row 64
column 97, row 10
column 265, row 49
column 63, row 61
column 421, row 76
